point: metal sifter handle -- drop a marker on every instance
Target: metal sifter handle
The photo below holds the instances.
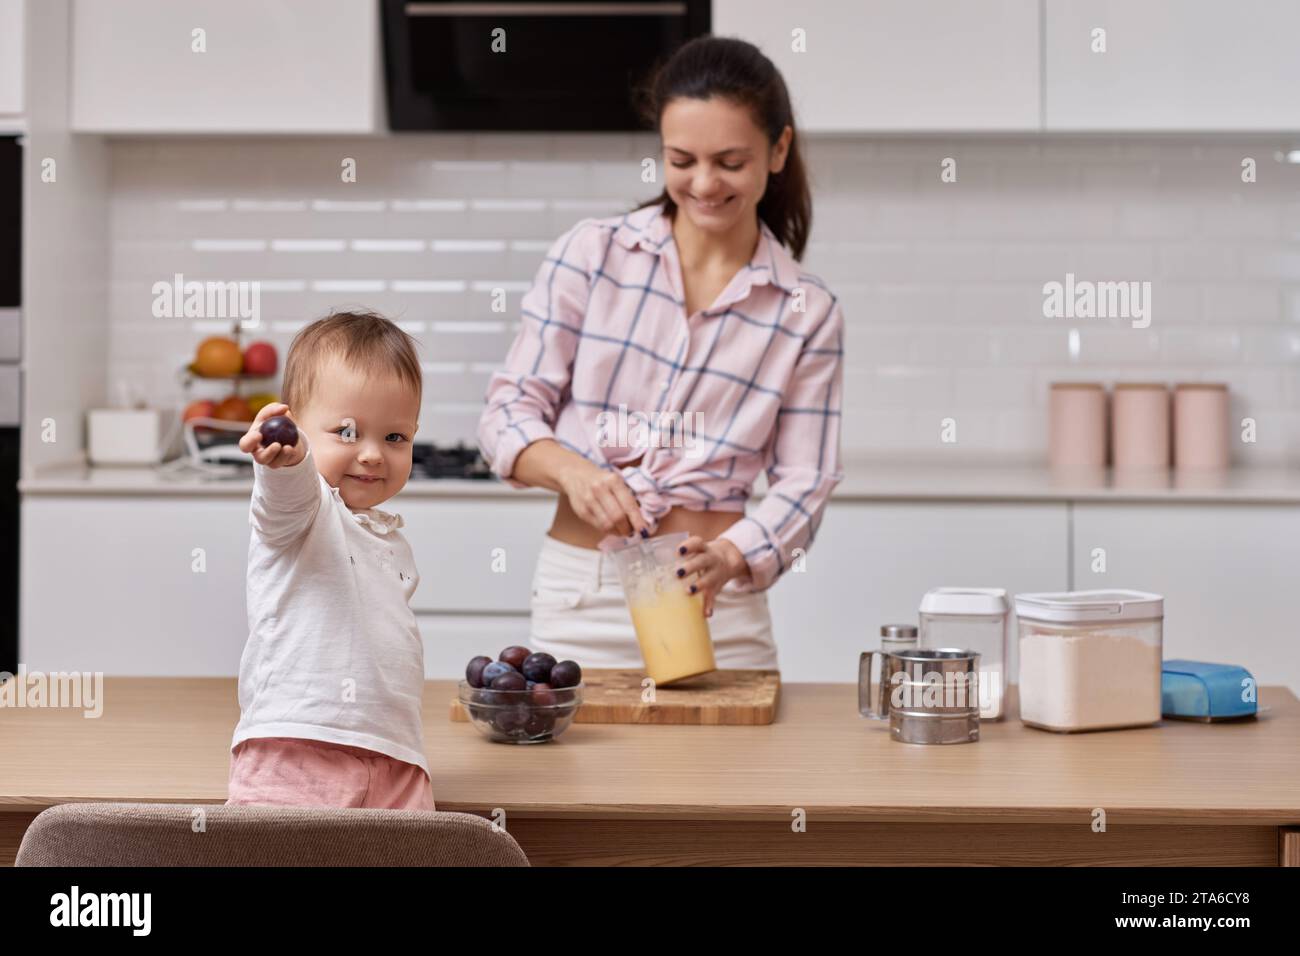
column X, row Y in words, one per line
column 879, row 711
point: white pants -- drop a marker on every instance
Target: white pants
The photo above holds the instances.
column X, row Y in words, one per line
column 579, row 613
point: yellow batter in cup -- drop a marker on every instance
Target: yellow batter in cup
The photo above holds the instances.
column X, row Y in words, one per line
column 670, row 624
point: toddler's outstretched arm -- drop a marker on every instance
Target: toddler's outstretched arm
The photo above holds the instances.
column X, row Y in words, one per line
column 286, row 486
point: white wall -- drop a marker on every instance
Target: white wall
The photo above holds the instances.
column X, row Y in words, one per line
column 12, row 33
column 941, row 283
column 65, row 253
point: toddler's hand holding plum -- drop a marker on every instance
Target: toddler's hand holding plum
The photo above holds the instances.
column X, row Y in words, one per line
column 278, row 453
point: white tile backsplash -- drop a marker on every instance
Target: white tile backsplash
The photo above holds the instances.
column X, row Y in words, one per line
column 1191, row 346
column 1231, row 303
column 941, row 283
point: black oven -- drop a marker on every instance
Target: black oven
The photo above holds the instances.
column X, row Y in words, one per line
column 11, row 229
column 529, row 64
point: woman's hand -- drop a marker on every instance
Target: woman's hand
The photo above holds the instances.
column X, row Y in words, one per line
column 714, row 563
column 273, row 455
column 602, row 499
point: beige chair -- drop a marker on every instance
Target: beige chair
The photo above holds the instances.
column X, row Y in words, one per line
column 173, row 834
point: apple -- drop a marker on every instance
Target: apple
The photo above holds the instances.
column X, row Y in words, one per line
column 260, row 358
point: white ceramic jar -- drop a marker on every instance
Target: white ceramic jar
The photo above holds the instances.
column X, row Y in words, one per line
column 1140, row 414
column 1201, row 426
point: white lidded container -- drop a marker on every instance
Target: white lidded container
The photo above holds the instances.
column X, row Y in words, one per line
column 972, row 619
column 1090, row 660
column 129, row 436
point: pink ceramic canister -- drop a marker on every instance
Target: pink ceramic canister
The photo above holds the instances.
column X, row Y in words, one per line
column 1077, row 425
column 1201, row 426
column 1140, row 426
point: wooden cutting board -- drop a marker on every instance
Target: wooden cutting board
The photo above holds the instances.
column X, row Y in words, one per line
column 722, row 697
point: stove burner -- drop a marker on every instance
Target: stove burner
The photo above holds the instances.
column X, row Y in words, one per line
column 458, row 461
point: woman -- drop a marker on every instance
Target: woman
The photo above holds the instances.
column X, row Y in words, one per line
column 687, row 309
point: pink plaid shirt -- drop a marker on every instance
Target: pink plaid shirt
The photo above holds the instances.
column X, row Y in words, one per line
column 608, row 364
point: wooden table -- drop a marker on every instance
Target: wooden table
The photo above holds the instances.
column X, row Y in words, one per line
column 1177, row 793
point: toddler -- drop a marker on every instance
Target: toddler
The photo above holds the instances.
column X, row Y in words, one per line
column 331, row 677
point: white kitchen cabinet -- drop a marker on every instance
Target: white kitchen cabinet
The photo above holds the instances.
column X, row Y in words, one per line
column 268, row 66
column 12, row 50
column 111, row 583
column 1172, row 65
column 450, row 640
column 1227, row 573
column 475, row 555
column 115, row 585
column 899, row 65
column 872, row 561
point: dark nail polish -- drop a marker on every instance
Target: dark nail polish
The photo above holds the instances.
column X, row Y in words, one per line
column 682, row 549
column 692, row 588
column 645, row 533
column 681, row 572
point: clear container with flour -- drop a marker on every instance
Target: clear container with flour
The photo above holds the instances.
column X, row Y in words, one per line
column 1090, row 660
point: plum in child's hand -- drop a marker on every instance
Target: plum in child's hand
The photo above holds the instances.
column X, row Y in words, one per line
column 474, row 672
column 537, row 667
column 566, row 674
column 514, row 656
column 280, row 429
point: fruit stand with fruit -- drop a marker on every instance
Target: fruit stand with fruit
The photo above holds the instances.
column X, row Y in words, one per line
column 220, row 358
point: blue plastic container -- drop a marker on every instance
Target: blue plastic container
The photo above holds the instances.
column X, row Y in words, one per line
column 1196, row 690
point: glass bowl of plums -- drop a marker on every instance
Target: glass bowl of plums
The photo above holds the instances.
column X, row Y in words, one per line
column 521, row 697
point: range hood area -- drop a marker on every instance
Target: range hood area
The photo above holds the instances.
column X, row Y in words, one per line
column 539, row 66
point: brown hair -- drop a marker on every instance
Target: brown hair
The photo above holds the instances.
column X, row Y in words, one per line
column 736, row 70
column 365, row 340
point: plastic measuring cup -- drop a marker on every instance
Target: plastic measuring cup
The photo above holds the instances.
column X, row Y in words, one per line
column 670, row 624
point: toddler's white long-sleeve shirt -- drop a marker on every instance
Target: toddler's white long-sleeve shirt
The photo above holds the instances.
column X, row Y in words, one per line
column 334, row 652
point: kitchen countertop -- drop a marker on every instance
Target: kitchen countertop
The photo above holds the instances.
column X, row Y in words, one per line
column 1178, row 791
column 864, row 481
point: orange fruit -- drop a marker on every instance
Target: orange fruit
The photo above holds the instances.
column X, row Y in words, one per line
column 218, row 356
column 234, row 409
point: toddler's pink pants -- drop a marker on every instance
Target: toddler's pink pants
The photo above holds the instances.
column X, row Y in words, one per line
column 289, row 771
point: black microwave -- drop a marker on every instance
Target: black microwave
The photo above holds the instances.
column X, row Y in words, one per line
column 536, row 65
